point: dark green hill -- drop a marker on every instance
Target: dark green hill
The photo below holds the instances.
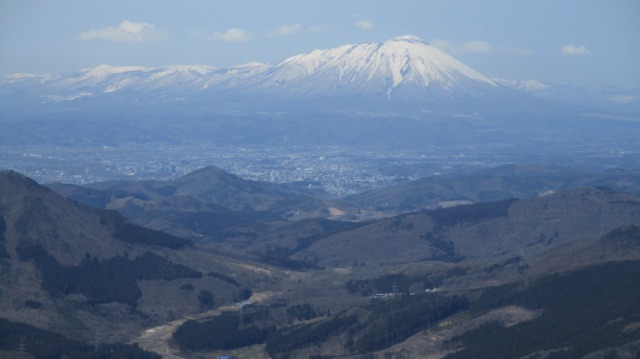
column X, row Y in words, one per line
column 509, row 181
column 584, row 311
column 38, row 343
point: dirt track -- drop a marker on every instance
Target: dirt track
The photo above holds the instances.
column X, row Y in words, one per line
column 157, row 339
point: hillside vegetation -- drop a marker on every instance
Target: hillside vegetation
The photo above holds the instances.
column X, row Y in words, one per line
column 583, row 312
column 553, row 274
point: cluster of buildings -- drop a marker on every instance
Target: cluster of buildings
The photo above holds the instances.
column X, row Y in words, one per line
column 337, row 171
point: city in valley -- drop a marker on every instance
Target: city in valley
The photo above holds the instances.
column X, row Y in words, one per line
column 335, row 170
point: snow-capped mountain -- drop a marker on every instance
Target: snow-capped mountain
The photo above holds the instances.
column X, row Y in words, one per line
column 402, row 73
column 402, row 69
column 111, row 79
column 372, row 68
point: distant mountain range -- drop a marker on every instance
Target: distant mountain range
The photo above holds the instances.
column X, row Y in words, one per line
column 400, row 74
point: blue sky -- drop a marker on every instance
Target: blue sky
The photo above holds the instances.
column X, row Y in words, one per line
column 575, row 42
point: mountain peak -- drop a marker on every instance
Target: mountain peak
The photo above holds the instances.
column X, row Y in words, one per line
column 12, row 182
column 407, row 38
column 209, row 171
column 375, row 69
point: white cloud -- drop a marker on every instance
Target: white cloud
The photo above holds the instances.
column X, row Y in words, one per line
column 232, row 35
column 364, row 24
column 127, row 31
column 317, row 28
column 519, row 50
column 285, row 30
column 622, row 99
column 465, row 48
column 573, row 50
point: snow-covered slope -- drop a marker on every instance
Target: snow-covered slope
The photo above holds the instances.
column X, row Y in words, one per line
column 372, row 68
